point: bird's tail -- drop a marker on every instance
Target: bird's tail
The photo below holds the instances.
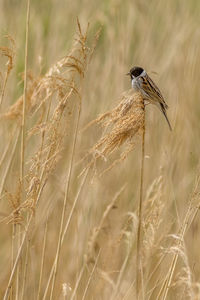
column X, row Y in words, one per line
column 163, row 109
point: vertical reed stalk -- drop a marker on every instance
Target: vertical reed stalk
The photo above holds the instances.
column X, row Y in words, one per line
column 25, row 270
column 139, row 229
column 24, row 97
column 43, row 257
column 12, row 255
column 23, row 135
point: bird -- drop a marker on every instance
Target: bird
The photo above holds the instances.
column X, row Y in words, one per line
column 141, row 81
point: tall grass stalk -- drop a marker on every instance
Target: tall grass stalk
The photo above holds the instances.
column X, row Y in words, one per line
column 23, row 128
column 25, row 269
column 23, row 137
column 139, row 229
column 43, row 258
column 78, row 281
column 121, row 273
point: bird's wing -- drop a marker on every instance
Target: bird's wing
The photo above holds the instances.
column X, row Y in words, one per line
column 152, row 90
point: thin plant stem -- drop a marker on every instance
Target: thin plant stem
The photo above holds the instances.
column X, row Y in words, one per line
column 128, row 291
column 25, row 269
column 121, row 273
column 90, row 277
column 73, row 206
column 139, row 228
column 43, row 258
column 78, row 282
column 19, row 265
column 9, row 163
column 24, row 96
column 12, row 254
column 23, row 135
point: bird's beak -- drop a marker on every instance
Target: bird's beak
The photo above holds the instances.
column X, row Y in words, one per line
column 128, row 74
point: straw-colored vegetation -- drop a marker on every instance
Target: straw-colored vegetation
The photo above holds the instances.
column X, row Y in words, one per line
column 99, row 200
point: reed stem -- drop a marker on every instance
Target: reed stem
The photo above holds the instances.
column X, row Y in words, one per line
column 139, row 229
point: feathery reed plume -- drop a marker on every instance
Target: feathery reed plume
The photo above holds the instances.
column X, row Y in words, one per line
column 122, row 126
column 63, row 77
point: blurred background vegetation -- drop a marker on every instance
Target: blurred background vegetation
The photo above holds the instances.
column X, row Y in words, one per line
column 164, row 38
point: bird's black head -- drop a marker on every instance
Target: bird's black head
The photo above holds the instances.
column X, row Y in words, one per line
column 135, row 72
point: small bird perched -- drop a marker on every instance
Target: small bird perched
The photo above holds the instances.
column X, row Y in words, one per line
column 142, row 82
